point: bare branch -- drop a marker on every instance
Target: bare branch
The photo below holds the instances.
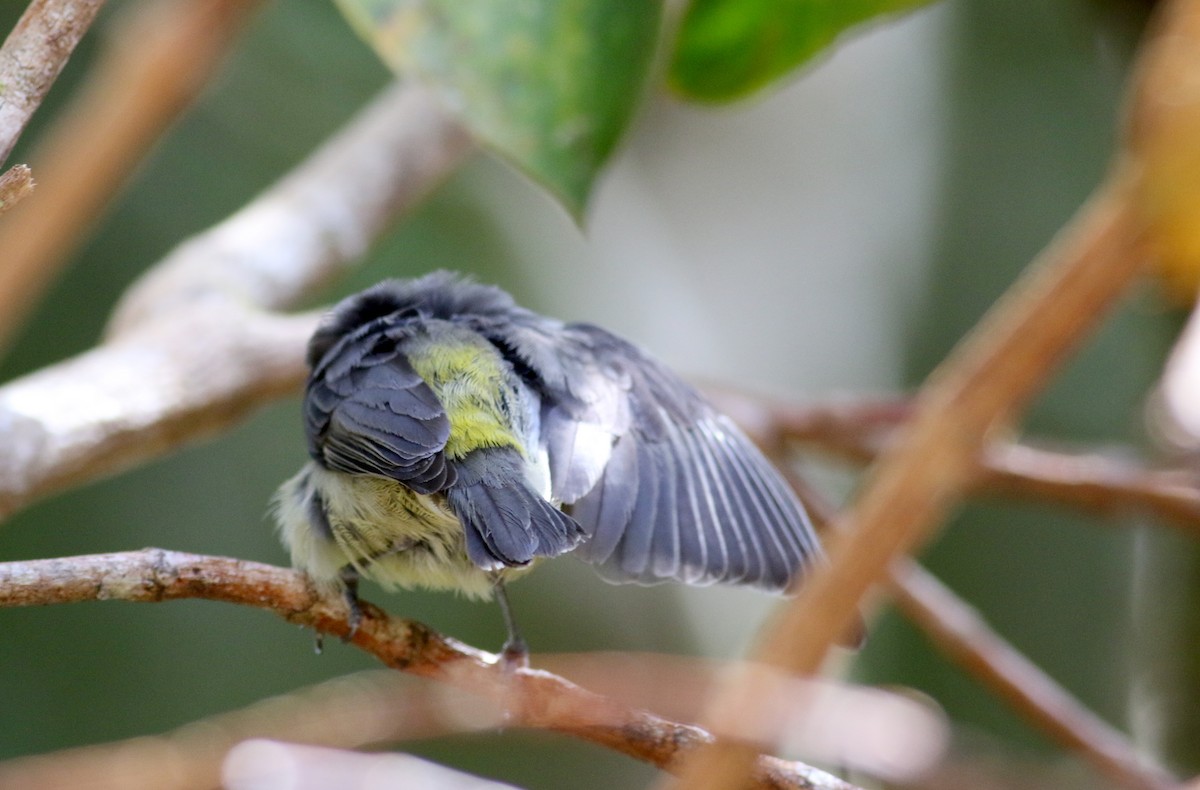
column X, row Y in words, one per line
column 135, row 399
column 962, row 635
column 532, row 698
column 315, row 223
column 982, row 386
column 214, row 358
column 357, row 710
column 1093, row 481
column 157, row 64
column 32, row 57
column 965, row 638
column 858, row 431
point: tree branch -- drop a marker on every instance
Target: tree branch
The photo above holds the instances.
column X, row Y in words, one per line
column 858, row 431
column 190, row 353
column 353, row 711
column 531, row 698
column 982, row 386
column 33, row 54
column 963, row 636
column 159, row 61
column 960, row 633
column 316, row 222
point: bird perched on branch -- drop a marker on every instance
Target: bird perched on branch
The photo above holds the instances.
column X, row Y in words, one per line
column 457, row 439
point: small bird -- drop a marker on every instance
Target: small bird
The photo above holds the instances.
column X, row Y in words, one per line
column 457, row 439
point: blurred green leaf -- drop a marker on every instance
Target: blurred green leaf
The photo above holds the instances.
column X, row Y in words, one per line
column 549, row 84
column 727, row 49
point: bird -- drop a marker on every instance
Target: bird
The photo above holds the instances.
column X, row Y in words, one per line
column 456, row 440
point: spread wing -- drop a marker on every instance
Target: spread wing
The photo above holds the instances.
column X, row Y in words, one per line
column 367, row 412
column 663, row 485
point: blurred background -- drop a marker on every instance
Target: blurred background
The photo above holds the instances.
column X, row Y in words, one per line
column 829, row 239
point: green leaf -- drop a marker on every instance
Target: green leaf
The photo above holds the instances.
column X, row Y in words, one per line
column 549, row 84
column 727, row 49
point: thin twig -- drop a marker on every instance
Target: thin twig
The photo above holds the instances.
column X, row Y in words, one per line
column 858, row 431
column 15, row 185
column 155, row 66
column 532, row 698
column 1097, row 482
column 983, row 385
column 381, row 707
column 215, row 357
column 33, row 55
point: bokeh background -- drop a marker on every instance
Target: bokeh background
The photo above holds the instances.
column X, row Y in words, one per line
column 831, row 238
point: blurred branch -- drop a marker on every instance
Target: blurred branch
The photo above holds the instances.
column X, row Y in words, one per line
column 316, row 222
column 859, row 431
column 962, row 634
column 374, row 708
column 151, row 71
column 256, row 764
column 33, row 54
column 191, row 352
column 981, row 387
column 529, row 697
column 357, row 710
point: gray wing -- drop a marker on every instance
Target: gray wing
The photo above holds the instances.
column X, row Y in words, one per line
column 663, row 485
column 367, row 412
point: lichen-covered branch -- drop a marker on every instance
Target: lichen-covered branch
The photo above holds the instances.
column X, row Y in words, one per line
column 530, row 697
column 316, row 222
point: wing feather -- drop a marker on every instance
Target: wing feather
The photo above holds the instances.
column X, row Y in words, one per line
column 368, row 412
column 725, row 507
column 665, row 487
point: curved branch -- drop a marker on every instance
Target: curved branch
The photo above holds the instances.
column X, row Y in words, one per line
column 316, row 222
column 531, row 698
column 965, row 637
column 190, row 352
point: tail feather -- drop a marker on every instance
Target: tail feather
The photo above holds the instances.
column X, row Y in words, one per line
column 507, row 523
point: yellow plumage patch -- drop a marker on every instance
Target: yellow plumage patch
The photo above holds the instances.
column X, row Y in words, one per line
column 386, row 531
column 468, row 379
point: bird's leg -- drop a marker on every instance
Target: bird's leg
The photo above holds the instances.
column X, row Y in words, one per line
column 515, row 652
column 348, row 576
